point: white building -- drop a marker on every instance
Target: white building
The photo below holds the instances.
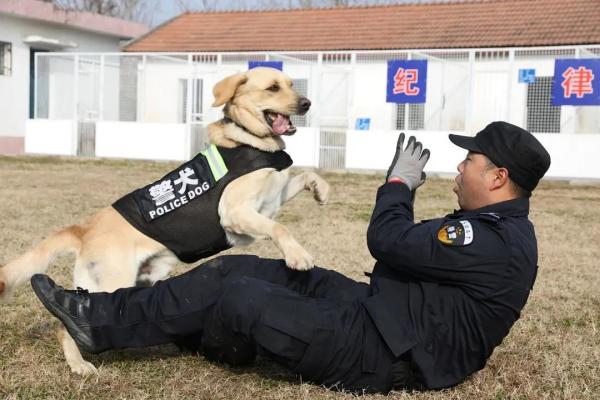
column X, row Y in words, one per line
column 28, row 27
column 158, row 93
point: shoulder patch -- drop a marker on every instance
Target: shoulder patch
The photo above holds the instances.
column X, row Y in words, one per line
column 456, row 233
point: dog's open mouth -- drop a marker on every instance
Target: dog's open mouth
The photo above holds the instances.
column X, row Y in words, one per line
column 280, row 123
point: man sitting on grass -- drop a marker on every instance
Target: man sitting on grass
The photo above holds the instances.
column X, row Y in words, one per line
column 443, row 293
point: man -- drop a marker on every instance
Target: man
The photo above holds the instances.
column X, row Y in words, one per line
column 443, row 293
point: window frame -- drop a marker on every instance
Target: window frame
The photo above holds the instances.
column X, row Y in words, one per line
column 5, row 58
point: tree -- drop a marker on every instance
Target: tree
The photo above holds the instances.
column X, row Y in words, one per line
column 224, row 5
column 134, row 10
column 196, row 5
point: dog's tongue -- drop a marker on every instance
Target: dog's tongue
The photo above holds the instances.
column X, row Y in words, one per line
column 281, row 124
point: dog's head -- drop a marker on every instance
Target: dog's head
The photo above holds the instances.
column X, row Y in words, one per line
column 261, row 100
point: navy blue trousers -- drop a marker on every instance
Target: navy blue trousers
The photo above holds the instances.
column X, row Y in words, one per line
column 234, row 307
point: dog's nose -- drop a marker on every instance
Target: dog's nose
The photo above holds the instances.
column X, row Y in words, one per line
column 303, row 104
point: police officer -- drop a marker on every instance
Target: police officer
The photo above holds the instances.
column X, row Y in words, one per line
column 443, row 293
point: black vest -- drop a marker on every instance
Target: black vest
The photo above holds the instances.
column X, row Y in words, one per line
column 180, row 210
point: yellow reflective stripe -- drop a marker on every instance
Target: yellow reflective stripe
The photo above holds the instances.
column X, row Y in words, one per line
column 215, row 162
column 220, row 160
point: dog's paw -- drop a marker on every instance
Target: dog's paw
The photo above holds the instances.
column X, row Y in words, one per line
column 320, row 189
column 83, row 368
column 297, row 258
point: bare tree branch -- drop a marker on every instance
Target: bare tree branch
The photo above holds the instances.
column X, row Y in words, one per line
column 306, row 3
column 201, row 5
column 135, row 10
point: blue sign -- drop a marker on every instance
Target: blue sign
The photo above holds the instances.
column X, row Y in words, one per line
column 271, row 64
column 526, row 75
column 576, row 82
column 406, row 81
column 362, row 124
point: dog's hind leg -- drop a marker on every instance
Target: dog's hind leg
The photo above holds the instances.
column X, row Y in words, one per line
column 73, row 356
column 156, row 267
column 103, row 273
column 82, row 278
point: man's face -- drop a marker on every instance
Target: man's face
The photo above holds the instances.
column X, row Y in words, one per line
column 473, row 181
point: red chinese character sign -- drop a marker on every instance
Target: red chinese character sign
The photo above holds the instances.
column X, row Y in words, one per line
column 407, row 81
column 576, row 82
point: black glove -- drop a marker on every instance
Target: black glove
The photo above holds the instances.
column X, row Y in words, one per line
column 408, row 163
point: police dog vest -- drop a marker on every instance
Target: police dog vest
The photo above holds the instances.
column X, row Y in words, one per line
column 180, row 210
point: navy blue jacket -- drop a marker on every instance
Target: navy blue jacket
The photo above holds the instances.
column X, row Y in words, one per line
column 446, row 291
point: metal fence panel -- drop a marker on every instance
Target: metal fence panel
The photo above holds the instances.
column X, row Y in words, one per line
column 86, row 135
column 332, row 150
column 466, row 88
column 55, row 95
column 88, row 80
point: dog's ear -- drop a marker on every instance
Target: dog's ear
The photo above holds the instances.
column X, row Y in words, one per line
column 225, row 89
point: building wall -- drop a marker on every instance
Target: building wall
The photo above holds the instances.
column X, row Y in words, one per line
column 14, row 88
column 456, row 101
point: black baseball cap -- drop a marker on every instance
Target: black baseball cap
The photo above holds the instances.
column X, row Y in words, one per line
column 511, row 147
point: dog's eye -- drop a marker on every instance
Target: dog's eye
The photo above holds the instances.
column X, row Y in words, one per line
column 273, row 88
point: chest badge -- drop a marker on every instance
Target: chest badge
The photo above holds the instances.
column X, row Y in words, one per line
column 456, row 233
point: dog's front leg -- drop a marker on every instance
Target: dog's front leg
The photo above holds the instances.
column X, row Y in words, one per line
column 245, row 220
column 307, row 181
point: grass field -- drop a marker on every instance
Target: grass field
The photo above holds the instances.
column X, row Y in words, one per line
column 553, row 351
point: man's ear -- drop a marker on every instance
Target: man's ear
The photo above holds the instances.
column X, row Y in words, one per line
column 225, row 89
column 500, row 178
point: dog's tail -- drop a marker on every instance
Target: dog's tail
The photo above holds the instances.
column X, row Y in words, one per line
column 37, row 259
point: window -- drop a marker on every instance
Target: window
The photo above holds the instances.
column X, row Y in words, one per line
column 542, row 116
column 300, row 86
column 416, row 116
column 5, row 58
column 337, row 58
column 494, row 55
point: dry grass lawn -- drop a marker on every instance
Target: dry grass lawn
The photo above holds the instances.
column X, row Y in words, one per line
column 553, row 351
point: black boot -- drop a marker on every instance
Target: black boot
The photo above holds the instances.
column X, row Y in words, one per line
column 71, row 307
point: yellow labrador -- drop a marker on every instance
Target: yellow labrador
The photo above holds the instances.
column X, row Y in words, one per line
column 111, row 253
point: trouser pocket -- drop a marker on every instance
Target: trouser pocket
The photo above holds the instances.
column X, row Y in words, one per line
column 300, row 334
column 376, row 360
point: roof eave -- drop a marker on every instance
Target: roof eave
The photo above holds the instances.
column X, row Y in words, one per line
column 84, row 21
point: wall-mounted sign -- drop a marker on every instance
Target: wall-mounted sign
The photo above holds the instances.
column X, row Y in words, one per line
column 526, row 75
column 271, row 64
column 576, row 82
column 362, row 124
column 406, row 81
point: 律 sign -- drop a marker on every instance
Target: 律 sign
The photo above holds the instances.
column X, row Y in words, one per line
column 576, row 82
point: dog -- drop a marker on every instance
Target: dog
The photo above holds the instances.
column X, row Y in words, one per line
column 111, row 253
